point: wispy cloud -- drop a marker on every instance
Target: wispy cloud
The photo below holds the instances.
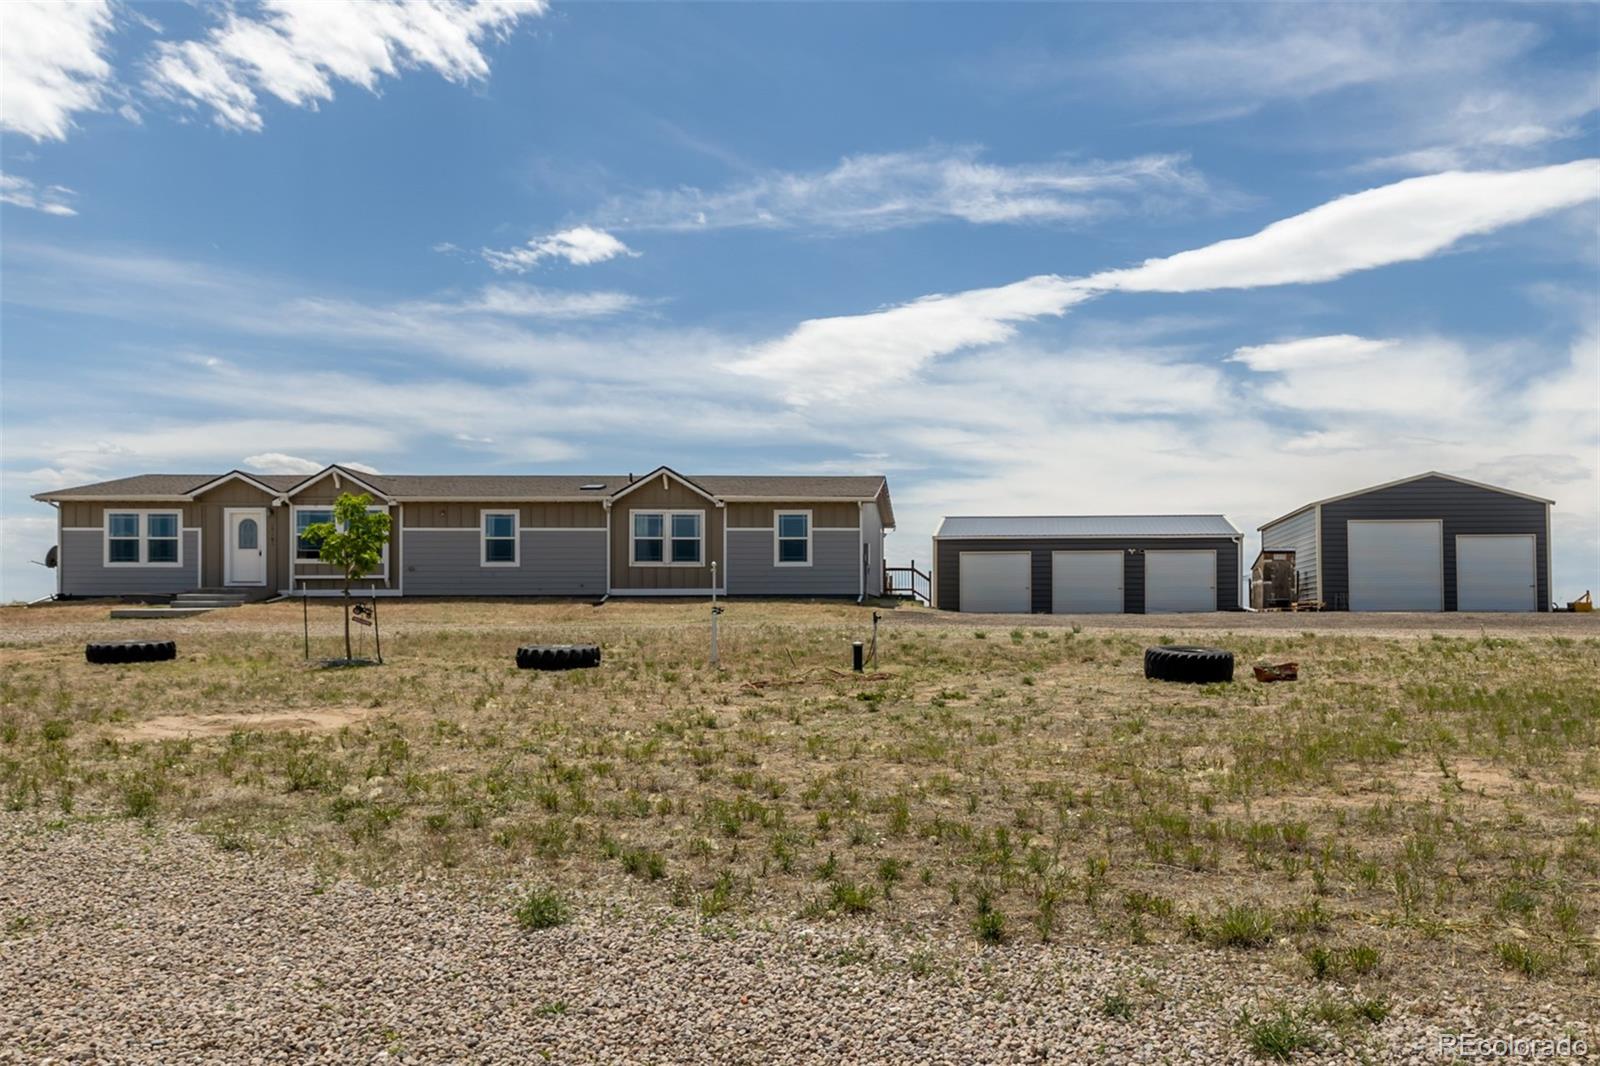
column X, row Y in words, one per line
column 50, row 199
column 891, row 189
column 579, row 246
column 279, row 463
column 1397, row 223
column 53, row 64
column 297, row 52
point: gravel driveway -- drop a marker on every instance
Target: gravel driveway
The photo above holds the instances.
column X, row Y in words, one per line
column 119, row 944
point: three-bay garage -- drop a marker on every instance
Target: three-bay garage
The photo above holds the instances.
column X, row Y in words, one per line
column 1087, row 564
column 1427, row 543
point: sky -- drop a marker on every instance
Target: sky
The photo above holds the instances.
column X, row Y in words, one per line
column 1018, row 259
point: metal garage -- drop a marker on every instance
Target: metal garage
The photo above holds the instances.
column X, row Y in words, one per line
column 1433, row 542
column 1087, row 564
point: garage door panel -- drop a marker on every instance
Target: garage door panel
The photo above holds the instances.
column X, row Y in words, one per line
column 997, row 582
column 1396, row 566
column 1180, row 581
column 1496, row 572
column 1086, row 582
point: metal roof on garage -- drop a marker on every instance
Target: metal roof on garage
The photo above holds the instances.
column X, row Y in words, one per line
column 1033, row 527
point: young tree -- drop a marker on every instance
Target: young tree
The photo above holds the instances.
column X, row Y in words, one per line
column 353, row 542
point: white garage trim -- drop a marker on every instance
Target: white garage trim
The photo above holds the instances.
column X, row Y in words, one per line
column 1086, row 582
column 997, row 582
column 1395, row 573
column 1190, row 590
column 1497, row 572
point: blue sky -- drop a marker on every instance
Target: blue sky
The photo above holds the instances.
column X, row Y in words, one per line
column 1019, row 258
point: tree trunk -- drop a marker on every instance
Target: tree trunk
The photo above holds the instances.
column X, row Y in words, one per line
column 347, row 656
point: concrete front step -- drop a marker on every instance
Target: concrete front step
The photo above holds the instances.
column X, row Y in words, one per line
column 159, row 612
column 207, row 599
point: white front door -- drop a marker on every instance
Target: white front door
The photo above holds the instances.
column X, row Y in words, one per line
column 245, row 558
column 1180, row 581
column 1496, row 573
column 1086, row 582
column 1396, row 565
column 997, row 582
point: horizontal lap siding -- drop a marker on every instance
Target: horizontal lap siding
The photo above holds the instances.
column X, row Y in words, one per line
column 947, row 564
column 552, row 563
column 833, row 571
column 1464, row 509
column 1297, row 533
column 84, row 573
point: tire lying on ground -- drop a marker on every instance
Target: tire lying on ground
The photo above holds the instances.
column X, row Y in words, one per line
column 558, row 656
column 1177, row 662
column 131, row 651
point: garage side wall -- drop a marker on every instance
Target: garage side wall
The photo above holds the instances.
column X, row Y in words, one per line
column 1465, row 509
column 948, row 565
column 1297, row 533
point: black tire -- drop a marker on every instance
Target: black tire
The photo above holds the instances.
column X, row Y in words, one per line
column 558, row 656
column 1195, row 666
column 131, row 651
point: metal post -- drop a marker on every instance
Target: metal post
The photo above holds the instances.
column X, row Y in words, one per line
column 377, row 639
column 305, row 623
column 716, row 659
column 874, row 654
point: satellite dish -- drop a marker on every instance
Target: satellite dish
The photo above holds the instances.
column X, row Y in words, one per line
column 50, row 557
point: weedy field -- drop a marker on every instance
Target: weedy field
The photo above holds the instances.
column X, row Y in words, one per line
column 1421, row 810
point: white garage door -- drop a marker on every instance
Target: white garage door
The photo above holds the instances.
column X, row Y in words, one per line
column 1495, row 573
column 1180, row 581
column 1086, row 582
column 1397, row 566
column 997, row 582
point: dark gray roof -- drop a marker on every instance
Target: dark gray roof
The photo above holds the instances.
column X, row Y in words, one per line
column 1122, row 525
column 498, row 486
column 1405, row 481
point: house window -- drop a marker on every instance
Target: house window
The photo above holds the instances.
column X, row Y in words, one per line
column 668, row 538
column 143, row 538
column 793, row 538
column 500, row 538
column 305, row 517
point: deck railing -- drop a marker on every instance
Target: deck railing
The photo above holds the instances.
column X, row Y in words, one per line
column 908, row 581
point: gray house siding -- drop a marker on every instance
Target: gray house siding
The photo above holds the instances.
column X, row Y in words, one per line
column 565, row 562
column 947, row 563
column 84, row 573
column 1297, row 533
column 872, row 537
column 834, row 570
column 1463, row 509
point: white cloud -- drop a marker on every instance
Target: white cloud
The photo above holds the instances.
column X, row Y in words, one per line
column 526, row 301
column 1339, row 350
column 21, row 192
column 828, row 358
column 885, row 190
column 580, row 246
column 52, row 64
column 1425, row 380
column 279, row 463
column 297, row 50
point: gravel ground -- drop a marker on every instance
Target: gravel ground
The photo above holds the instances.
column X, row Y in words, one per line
column 121, row 944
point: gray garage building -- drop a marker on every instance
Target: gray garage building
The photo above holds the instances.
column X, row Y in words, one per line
column 1087, row 564
column 1432, row 542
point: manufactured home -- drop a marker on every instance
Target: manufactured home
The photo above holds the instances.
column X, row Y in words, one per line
column 661, row 534
column 1432, row 542
column 1087, row 564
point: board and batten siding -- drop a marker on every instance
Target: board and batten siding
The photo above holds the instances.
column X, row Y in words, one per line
column 1297, row 533
column 835, row 556
column 209, row 511
column 532, row 515
column 674, row 495
column 551, row 562
column 84, row 573
column 824, row 515
column 947, row 564
column 1464, row 509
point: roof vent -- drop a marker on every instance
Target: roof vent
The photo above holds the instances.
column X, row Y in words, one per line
column 593, row 486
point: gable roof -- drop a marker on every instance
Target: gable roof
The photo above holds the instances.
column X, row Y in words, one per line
column 665, row 472
column 336, row 472
column 1405, row 481
column 1003, row 527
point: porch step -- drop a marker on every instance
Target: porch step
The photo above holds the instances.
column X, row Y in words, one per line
column 159, row 612
column 208, row 599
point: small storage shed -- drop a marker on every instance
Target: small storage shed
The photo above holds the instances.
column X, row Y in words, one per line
column 1087, row 564
column 1432, row 542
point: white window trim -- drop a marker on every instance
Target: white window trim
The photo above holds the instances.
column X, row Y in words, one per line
column 143, row 538
column 667, row 516
column 484, row 538
column 777, row 529
column 294, row 538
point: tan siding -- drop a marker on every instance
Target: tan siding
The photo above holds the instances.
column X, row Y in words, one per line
column 92, row 513
column 675, row 497
column 533, row 515
column 208, row 512
column 823, row 515
column 325, row 491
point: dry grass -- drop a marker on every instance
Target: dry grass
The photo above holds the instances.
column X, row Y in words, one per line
column 1418, row 809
